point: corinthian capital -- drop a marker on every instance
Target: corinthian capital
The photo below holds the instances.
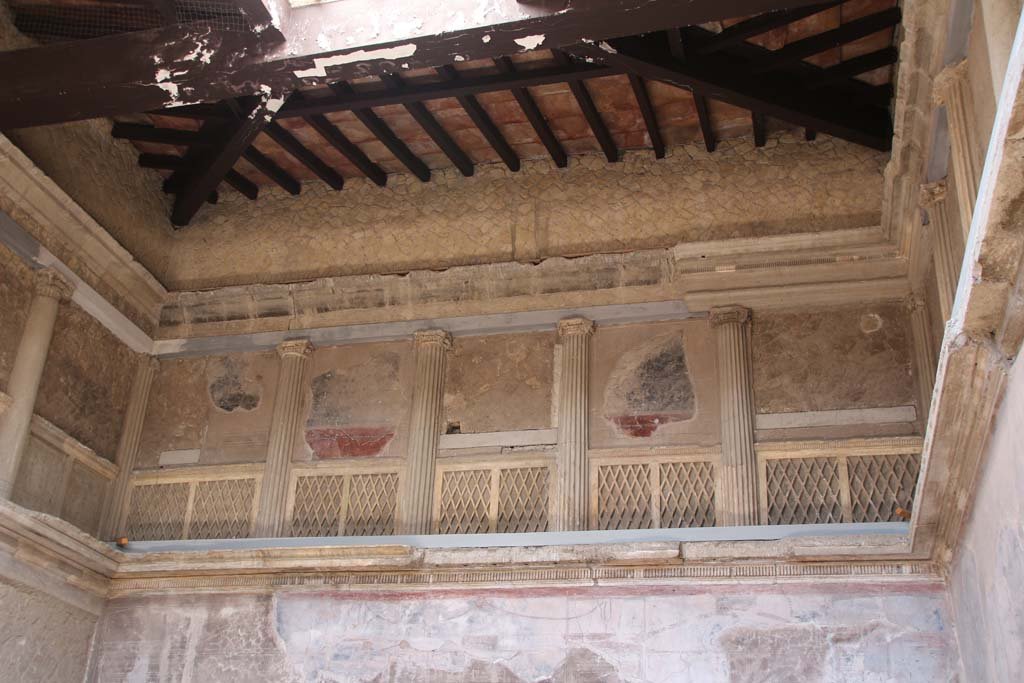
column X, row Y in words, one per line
column 570, row 327
column 49, row 283
column 295, row 347
column 431, row 337
column 726, row 315
column 933, row 193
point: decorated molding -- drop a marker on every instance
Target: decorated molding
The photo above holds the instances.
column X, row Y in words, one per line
column 951, row 77
column 898, row 445
column 29, row 195
column 51, row 284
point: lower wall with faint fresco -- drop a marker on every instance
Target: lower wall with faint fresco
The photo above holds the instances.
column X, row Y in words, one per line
column 829, row 631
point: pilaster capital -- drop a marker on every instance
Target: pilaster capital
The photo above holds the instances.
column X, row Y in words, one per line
column 573, row 327
column 914, row 303
column 49, row 283
column 933, row 193
column 295, row 347
column 945, row 84
column 728, row 315
column 433, row 337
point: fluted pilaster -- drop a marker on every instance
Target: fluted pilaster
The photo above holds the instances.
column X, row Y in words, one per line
column 417, row 502
column 572, row 481
column 924, row 350
column 953, row 92
column 27, row 371
column 947, row 252
column 736, row 496
column 112, row 524
column 285, row 425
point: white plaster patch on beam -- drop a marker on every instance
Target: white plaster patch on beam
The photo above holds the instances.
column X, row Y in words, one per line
column 477, row 325
column 188, row 456
column 523, row 437
column 530, row 42
column 320, row 64
column 90, row 301
column 835, row 418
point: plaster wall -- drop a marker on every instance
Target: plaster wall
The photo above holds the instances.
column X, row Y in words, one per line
column 41, row 637
column 654, row 385
column 220, row 406
column 988, row 567
column 741, row 632
column 497, row 216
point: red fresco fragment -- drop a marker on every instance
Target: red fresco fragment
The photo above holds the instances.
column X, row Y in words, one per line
column 344, row 442
column 644, row 425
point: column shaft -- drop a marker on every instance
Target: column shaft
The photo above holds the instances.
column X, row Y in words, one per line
column 113, row 523
column 572, row 479
column 737, row 494
column 953, row 91
column 947, row 252
column 23, row 384
column 285, row 425
column 417, row 502
column 924, row 352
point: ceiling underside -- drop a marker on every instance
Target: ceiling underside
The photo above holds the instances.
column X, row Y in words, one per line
column 824, row 68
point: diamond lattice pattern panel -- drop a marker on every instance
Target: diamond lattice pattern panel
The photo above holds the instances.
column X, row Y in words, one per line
column 687, row 494
column 222, row 508
column 317, row 508
column 157, row 512
column 624, row 497
column 804, row 491
column 372, row 500
column 465, row 496
column 881, row 483
column 523, row 500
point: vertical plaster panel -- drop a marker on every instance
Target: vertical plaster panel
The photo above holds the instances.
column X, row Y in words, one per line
column 38, row 486
column 84, row 499
column 357, row 401
column 988, row 568
column 220, row 405
column 15, row 296
column 742, row 632
column 41, row 638
column 500, row 382
column 856, row 357
column 654, row 385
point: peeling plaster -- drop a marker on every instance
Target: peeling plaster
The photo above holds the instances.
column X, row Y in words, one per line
column 320, row 64
column 530, row 42
column 486, row 39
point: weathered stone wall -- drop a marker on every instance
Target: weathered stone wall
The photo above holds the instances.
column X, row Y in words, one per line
column 220, row 406
column 855, row 357
column 742, row 632
column 496, row 215
column 500, row 383
column 42, row 638
column 86, row 381
column 988, row 568
column 15, row 296
column 357, row 401
column 654, row 385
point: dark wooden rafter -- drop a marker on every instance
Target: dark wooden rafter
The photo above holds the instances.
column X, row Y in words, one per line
column 429, row 124
column 329, row 132
column 268, row 167
column 590, row 113
column 72, row 81
column 172, row 162
column 854, row 67
column 534, row 116
column 643, row 100
column 781, row 95
column 311, row 161
column 383, row 132
column 483, row 121
column 755, row 26
column 846, row 33
column 205, row 178
column 757, row 123
column 164, row 136
column 700, row 103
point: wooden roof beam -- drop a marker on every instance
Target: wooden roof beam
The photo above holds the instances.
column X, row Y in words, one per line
column 678, row 50
column 311, row 161
column 154, row 69
column 479, row 116
column 535, row 117
column 437, row 133
column 755, row 26
column 650, row 57
column 590, row 113
column 383, row 132
column 643, row 100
